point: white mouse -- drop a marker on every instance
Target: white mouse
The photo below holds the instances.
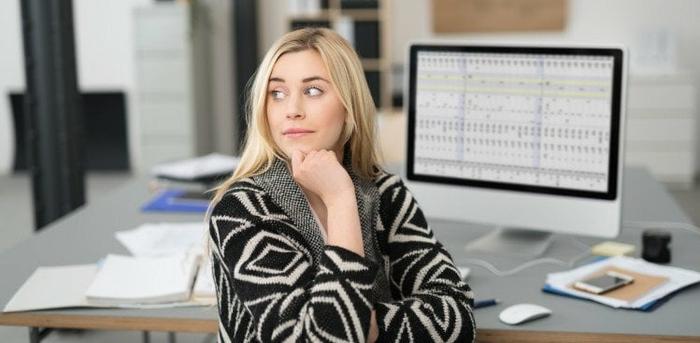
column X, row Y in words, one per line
column 521, row 313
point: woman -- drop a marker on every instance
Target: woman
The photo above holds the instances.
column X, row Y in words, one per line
column 311, row 240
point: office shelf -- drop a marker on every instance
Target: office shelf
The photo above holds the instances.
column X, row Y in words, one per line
column 366, row 24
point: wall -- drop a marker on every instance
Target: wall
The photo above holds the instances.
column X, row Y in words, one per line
column 622, row 21
column 11, row 77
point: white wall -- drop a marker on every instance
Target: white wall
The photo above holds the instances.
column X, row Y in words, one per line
column 622, row 21
column 11, row 77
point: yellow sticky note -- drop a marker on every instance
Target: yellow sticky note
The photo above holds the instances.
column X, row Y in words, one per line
column 611, row 248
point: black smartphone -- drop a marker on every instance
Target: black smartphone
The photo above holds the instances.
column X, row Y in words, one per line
column 604, row 283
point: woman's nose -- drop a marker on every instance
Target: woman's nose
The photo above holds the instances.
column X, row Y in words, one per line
column 295, row 109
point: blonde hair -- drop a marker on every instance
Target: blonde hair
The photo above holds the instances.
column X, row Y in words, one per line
column 347, row 77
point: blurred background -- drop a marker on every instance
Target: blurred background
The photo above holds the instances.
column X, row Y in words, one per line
column 163, row 80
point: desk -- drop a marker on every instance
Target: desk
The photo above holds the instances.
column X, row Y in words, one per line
column 87, row 235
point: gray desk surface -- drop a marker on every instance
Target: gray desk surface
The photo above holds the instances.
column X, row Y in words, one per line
column 87, row 235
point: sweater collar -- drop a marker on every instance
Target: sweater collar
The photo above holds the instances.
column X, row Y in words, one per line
column 278, row 182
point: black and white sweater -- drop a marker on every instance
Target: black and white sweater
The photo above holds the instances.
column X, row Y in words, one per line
column 276, row 280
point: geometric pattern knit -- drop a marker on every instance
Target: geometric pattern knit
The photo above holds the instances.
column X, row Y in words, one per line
column 276, row 280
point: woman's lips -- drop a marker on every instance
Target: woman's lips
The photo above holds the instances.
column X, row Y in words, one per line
column 296, row 132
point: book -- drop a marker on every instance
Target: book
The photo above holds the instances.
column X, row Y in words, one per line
column 204, row 290
column 143, row 280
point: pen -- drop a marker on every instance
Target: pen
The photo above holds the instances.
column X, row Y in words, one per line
column 485, row 303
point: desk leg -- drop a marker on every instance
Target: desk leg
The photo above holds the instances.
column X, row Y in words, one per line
column 37, row 334
column 146, row 337
column 171, row 337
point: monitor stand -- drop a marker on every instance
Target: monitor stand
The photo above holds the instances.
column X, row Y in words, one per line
column 523, row 243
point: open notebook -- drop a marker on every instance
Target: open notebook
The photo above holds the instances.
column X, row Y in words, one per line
column 143, row 280
column 121, row 281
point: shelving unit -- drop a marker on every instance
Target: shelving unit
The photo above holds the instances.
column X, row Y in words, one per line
column 170, row 103
column 365, row 23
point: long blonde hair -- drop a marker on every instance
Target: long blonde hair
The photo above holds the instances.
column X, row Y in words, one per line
column 347, row 77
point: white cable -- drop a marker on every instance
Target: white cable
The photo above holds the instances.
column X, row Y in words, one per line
column 490, row 267
column 628, row 224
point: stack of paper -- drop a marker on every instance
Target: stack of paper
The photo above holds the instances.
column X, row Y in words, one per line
column 673, row 279
column 164, row 238
column 143, row 280
column 197, row 168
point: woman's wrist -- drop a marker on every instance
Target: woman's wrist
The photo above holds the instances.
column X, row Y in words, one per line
column 344, row 222
column 340, row 200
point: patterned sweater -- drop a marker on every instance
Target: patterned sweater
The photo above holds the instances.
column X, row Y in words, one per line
column 277, row 281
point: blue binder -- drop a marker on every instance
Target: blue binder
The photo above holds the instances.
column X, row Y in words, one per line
column 172, row 200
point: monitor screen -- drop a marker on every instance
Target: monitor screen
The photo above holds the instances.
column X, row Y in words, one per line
column 543, row 120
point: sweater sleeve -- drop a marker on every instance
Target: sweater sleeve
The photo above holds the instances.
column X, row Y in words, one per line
column 268, row 271
column 434, row 304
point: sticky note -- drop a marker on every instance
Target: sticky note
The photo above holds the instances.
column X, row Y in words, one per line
column 611, row 248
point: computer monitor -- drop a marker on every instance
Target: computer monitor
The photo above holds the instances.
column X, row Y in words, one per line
column 528, row 139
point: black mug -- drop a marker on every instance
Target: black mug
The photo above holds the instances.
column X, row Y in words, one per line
column 655, row 246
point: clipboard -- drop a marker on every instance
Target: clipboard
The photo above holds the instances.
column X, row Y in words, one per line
column 642, row 285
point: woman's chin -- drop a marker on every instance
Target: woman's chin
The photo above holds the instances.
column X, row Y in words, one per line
column 301, row 147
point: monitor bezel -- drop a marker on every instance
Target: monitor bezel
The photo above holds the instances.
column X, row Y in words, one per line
column 613, row 165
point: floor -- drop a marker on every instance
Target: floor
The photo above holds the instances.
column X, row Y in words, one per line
column 17, row 224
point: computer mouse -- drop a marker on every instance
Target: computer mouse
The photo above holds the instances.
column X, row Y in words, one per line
column 521, row 313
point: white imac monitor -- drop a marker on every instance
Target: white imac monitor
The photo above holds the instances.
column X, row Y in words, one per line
column 527, row 139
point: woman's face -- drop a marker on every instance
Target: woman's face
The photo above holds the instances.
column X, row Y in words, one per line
column 303, row 108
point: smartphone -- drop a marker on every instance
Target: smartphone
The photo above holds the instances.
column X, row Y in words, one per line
column 604, row 283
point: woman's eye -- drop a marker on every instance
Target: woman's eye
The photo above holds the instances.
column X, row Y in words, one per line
column 314, row 91
column 277, row 95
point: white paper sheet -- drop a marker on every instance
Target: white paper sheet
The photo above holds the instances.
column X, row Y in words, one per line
column 164, row 238
column 54, row 287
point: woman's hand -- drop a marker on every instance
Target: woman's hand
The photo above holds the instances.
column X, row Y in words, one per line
column 320, row 173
